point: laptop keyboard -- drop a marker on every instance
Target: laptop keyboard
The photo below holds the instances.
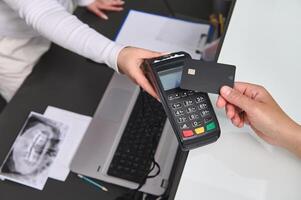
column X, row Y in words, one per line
column 134, row 155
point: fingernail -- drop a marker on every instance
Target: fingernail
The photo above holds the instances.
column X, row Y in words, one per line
column 226, row 90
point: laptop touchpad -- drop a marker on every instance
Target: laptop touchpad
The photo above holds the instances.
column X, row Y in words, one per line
column 115, row 104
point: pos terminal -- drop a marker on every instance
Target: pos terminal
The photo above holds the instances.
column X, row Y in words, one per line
column 190, row 113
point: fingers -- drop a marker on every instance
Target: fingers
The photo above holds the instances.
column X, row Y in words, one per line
column 117, row 3
column 221, row 102
column 99, row 6
column 230, row 111
column 145, row 84
column 240, row 101
column 247, row 89
column 240, row 86
column 236, row 98
column 144, row 53
column 238, row 119
column 109, row 7
column 98, row 12
column 253, row 91
column 237, row 104
column 149, row 54
column 235, row 115
column 235, row 121
column 246, row 120
column 141, row 79
column 114, row 5
column 129, row 62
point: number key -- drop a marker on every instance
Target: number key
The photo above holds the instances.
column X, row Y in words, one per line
column 184, row 94
column 179, row 112
column 193, row 116
column 176, row 105
column 184, row 126
column 177, row 95
column 208, row 119
column 190, row 109
column 205, row 113
column 190, row 92
column 202, row 106
column 196, row 123
column 171, row 97
column 182, row 119
column 199, row 99
column 188, row 102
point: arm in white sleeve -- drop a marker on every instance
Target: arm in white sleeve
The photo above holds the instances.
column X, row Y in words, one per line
column 51, row 20
column 84, row 2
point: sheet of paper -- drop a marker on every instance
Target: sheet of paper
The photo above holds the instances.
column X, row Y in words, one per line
column 78, row 125
column 34, row 151
column 163, row 34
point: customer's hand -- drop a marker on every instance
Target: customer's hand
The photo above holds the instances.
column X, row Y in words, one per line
column 253, row 105
column 129, row 61
column 98, row 7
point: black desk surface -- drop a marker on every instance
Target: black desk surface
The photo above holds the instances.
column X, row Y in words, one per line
column 65, row 80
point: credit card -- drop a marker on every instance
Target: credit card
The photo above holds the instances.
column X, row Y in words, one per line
column 206, row 77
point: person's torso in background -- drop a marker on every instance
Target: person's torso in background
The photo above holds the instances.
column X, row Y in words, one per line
column 11, row 25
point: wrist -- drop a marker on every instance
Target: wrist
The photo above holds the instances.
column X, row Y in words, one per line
column 298, row 141
column 121, row 58
column 294, row 134
column 112, row 54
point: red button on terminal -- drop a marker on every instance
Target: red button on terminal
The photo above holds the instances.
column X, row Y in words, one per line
column 187, row 133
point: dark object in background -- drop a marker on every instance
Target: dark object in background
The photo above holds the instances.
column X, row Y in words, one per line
column 222, row 6
column 2, row 103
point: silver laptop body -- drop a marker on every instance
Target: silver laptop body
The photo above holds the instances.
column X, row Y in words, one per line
column 98, row 146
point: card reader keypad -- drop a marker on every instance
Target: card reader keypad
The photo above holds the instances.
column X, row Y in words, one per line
column 192, row 113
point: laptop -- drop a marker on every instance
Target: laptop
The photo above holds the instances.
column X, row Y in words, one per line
column 129, row 142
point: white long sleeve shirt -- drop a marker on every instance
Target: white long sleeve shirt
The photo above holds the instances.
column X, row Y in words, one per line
column 53, row 20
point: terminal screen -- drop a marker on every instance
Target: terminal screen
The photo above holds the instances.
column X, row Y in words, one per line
column 171, row 78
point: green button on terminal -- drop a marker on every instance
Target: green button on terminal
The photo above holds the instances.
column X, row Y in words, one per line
column 210, row 126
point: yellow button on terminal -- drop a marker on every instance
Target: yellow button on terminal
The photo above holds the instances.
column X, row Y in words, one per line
column 199, row 130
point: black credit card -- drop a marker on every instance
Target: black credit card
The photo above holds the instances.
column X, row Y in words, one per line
column 206, row 77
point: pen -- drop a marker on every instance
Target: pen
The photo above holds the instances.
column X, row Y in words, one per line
column 221, row 21
column 92, row 182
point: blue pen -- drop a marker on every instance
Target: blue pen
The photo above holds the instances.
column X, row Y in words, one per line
column 92, row 182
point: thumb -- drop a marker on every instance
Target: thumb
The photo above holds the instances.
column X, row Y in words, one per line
column 236, row 98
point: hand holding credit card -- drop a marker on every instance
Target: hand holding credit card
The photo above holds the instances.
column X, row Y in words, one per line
column 206, row 77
